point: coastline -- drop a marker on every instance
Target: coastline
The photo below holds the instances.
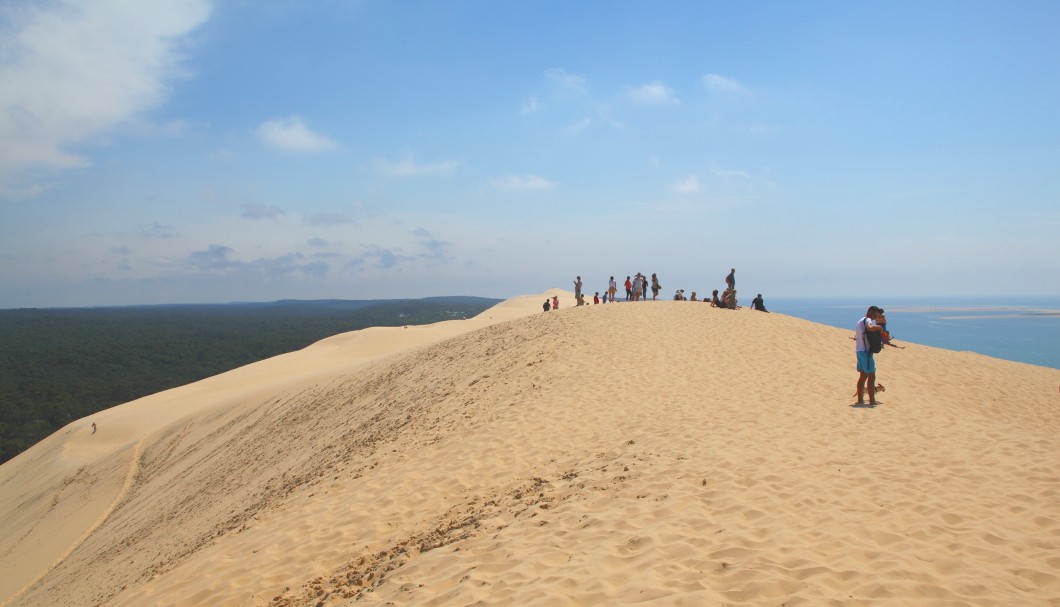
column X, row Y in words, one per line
column 1022, row 330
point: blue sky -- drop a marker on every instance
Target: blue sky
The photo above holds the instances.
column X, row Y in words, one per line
column 190, row 151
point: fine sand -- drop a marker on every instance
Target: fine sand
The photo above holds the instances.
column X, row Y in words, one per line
column 656, row 452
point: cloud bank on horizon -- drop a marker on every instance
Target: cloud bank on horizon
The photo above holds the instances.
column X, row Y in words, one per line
column 195, row 151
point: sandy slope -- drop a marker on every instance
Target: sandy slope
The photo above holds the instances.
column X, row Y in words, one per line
column 664, row 452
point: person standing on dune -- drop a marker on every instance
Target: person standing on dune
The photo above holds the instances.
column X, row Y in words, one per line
column 866, row 363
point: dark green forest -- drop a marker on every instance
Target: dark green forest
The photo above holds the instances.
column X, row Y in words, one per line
column 59, row 365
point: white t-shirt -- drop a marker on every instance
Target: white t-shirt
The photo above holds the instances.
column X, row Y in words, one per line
column 859, row 334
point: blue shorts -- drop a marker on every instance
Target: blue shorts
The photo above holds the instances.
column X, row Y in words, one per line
column 866, row 364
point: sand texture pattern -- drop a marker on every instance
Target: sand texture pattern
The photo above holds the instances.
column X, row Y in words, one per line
column 663, row 453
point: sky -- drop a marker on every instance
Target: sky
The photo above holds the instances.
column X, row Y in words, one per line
column 189, row 151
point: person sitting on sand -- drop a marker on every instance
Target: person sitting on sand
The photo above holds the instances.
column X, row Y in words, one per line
column 728, row 299
column 714, row 301
column 546, row 306
column 758, row 304
column 555, row 302
column 596, row 298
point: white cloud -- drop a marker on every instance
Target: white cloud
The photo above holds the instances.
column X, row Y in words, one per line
column 654, row 93
column 71, row 72
column 292, row 135
column 576, row 127
column 720, row 83
column 529, row 106
column 567, row 80
column 408, row 168
column 522, row 182
column 688, row 185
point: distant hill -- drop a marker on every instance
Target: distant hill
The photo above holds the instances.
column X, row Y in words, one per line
column 61, row 364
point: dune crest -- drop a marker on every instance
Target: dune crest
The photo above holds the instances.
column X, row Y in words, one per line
column 663, row 451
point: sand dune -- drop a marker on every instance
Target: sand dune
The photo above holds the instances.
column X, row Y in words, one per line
column 657, row 452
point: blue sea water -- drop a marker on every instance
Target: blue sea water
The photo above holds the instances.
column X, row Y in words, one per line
column 1024, row 330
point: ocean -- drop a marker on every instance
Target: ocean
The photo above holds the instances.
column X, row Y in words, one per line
column 1025, row 330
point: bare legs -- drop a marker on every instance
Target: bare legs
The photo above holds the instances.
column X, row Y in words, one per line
column 871, row 377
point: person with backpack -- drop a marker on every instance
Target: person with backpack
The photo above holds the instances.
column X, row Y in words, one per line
column 869, row 340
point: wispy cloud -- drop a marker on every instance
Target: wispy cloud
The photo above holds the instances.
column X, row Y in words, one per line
column 653, row 93
column 379, row 257
column 157, row 230
column 566, row 79
column 436, row 250
column 731, row 173
column 408, row 168
column 73, row 71
column 261, row 211
column 688, row 185
column 522, row 182
column 529, row 106
column 329, row 219
column 215, row 258
column 221, row 259
column 576, row 127
column 756, row 179
column 717, row 82
column 291, row 134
